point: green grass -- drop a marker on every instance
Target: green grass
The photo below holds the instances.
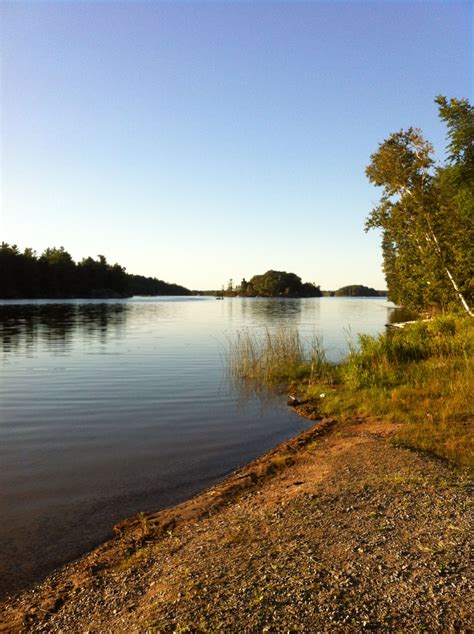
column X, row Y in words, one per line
column 421, row 376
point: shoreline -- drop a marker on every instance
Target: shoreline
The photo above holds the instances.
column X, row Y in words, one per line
column 249, row 475
column 238, row 480
column 56, row 598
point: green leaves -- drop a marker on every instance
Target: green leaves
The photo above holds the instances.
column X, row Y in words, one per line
column 458, row 114
column 401, row 164
column 425, row 213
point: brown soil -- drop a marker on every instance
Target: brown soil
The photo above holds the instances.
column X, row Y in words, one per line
column 337, row 530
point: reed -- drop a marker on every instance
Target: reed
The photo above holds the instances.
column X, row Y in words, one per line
column 274, row 358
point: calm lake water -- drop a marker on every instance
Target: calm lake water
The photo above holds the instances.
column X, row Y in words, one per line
column 109, row 408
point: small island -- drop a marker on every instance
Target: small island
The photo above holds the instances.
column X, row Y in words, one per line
column 277, row 284
column 358, row 290
column 269, row 284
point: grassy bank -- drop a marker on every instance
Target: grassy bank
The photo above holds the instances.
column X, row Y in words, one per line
column 420, row 376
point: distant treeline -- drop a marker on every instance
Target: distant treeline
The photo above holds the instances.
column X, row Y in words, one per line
column 356, row 290
column 54, row 274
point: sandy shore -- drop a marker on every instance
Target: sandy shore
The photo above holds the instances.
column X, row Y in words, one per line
column 337, row 530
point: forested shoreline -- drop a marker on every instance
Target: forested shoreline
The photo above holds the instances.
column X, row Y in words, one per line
column 55, row 275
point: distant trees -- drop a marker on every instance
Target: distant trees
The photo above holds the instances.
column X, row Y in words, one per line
column 57, row 271
column 278, row 284
column 19, row 272
column 54, row 274
column 140, row 285
column 426, row 213
column 97, row 278
column 243, row 286
column 357, row 290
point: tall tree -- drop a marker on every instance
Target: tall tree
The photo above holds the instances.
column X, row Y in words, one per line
column 458, row 115
column 455, row 182
column 423, row 239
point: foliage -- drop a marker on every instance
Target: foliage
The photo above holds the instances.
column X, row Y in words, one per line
column 458, row 116
column 357, row 290
column 382, row 361
column 55, row 275
column 426, row 213
column 278, row 284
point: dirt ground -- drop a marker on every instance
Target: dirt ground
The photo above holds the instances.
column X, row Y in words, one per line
column 338, row 530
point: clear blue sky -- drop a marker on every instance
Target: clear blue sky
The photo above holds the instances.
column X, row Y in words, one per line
column 202, row 141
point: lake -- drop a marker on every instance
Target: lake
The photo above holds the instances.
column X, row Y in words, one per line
column 109, row 408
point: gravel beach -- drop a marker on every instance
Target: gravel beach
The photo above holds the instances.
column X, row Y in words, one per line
column 338, row 530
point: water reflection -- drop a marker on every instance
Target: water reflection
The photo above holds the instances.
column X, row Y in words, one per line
column 397, row 315
column 56, row 325
column 263, row 311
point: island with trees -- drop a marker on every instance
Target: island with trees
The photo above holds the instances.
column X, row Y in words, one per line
column 269, row 284
column 277, row 284
column 358, row 290
column 55, row 275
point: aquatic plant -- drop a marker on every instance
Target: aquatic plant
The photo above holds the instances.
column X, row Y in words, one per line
column 274, row 358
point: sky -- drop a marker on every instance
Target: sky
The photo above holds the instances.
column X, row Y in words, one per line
column 198, row 142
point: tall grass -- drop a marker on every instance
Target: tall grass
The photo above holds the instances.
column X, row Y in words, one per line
column 382, row 361
column 421, row 376
column 276, row 358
